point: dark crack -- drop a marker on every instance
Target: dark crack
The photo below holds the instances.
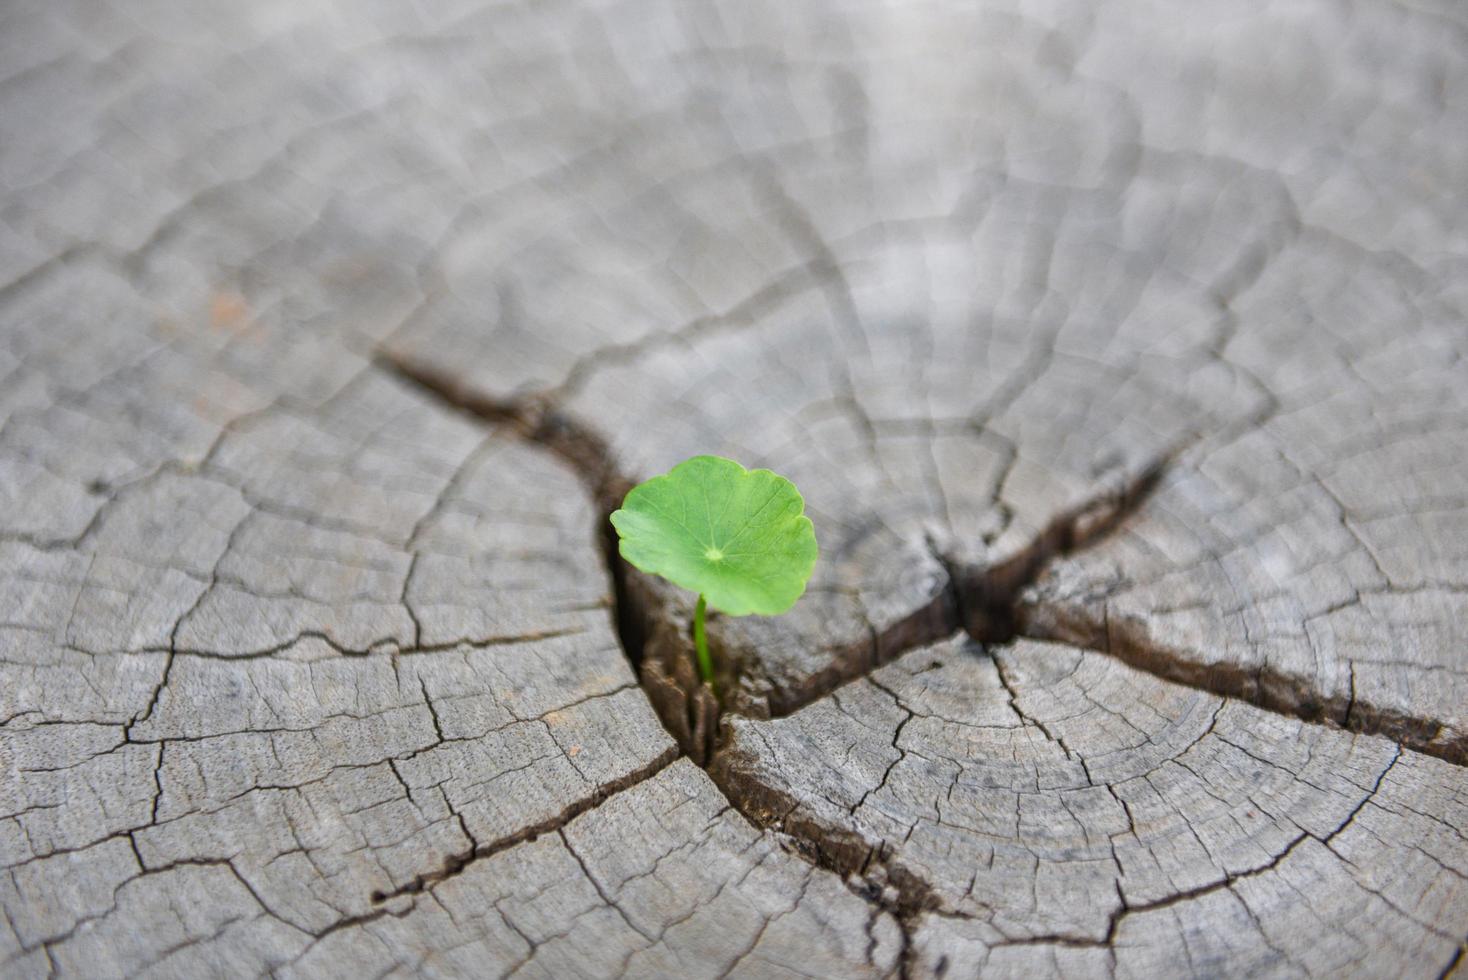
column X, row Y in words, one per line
column 989, row 596
column 455, row 864
column 863, row 866
column 988, row 601
column 1262, row 685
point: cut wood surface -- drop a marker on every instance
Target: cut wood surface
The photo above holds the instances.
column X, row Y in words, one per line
column 1120, row 353
column 1041, row 803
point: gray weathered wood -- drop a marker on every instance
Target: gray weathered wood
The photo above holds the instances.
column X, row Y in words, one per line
column 662, row 880
column 233, row 689
column 328, row 333
column 1039, row 801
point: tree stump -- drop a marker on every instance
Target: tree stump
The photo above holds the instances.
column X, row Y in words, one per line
column 1120, row 353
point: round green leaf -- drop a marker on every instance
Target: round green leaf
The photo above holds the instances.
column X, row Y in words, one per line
column 738, row 537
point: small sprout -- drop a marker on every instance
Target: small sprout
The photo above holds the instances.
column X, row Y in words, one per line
column 739, row 538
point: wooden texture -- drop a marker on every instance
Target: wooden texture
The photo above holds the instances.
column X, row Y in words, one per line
column 1040, row 804
column 1131, row 340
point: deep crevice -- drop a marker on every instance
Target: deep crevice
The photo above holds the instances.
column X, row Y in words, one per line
column 652, row 631
column 989, row 596
column 987, row 601
column 981, row 600
column 1263, row 686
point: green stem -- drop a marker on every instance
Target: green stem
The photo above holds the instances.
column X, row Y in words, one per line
column 701, row 643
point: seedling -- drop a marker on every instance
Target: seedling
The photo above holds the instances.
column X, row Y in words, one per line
column 739, row 538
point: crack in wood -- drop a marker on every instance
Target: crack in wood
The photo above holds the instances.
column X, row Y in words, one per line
column 986, row 601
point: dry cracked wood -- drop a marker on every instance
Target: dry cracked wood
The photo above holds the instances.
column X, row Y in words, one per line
column 1140, row 329
column 664, row 879
column 1045, row 809
column 307, row 674
column 947, row 365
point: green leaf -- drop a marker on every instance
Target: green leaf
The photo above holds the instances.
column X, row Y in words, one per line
column 739, row 537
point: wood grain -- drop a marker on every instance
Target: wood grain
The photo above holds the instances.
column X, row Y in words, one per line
column 1128, row 340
